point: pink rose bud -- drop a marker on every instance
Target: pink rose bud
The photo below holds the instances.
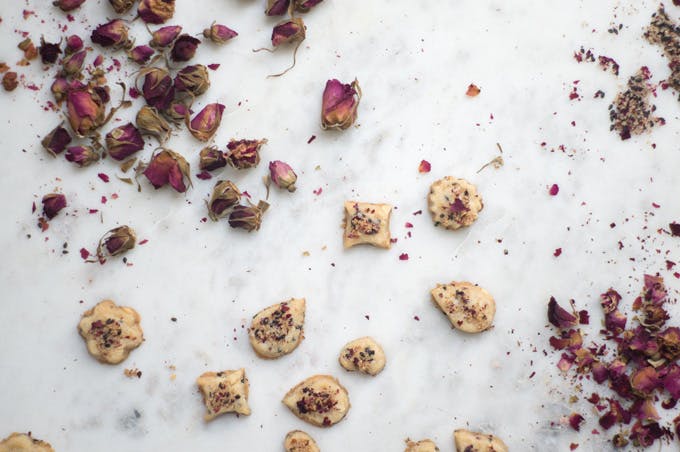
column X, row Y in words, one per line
column 112, row 34
column 168, row 167
column 304, row 6
column 116, row 242
column 52, row 204
column 211, row 159
column 59, row 89
column 81, row 155
column 225, row 195
column 73, row 64
column 193, row 80
column 156, row 11
column 219, row 34
column 122, row 6
column 140, row 54
column 124, row 141
column 158, row 89
column 282, row 175
column 248, row 217
column 85, row 111
column 165, row 36
column 150, row 122
column 184, row 48
column 68, row 5
column 244, row 153
column 277, row 7
column 56, row 141
column 177, row 112
column 73, row 44
column 339, row 105
column 49, row 52
column 206, row 122
column 288, row 31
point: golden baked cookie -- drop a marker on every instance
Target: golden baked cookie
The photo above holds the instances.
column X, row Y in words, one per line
column 278, row 330
column 469, row 307
column 299, row 441
column 425, row 445
column 467, row 441
column 364, row 355
column 110, row 331
column 320, row 400
column 224, row 392
column 367, row 223
column 454, row 203
column 24, row 442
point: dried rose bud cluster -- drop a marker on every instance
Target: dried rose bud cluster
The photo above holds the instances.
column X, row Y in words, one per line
column 641, row 369
column 224, row 203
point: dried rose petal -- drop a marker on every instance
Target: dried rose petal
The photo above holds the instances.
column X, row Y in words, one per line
column 615, row 322
column 559, row 317
column 184, row 48
column 68, row 5
column 288, row 31
column 225, row 195
column 56, row 141
column 339, row 104
column 575, row 421
column 168, row 167
column 248, row 217
column 192, row 79
column 81, row 155
column 472, row 90
column 669, row 340
column 9, row 81
column 115, row 242
column 52, row 204
column 85, row 111
column 123, row 141
column 645, row 380
column 206, row 122
column 571, row 339
column 158, row 89
column 304, row 6
column 140, row 54
column 671, row 381
column 219, row 34
column 27, row 46
column 282, row 175
column 654, row 289
column 156, row 11
column 73, row 64
column 600, row 372
column 122, row 6
column 165, row 36
column 49, row 52
column 424, row 166
column 458, row 206
column 277, row 7
column 554, row 190
column 150, row 122
column 211, row 159
column 644, row 410
column 610, row 300
column 244, row 154
column 73, row 44
column 644, row 435
column 112, row 34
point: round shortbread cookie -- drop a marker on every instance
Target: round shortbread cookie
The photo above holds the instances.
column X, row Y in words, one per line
column 454, row 203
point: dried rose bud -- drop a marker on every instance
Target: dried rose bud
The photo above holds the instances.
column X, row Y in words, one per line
column 168, row 167
column 124, row 141
column 304, row 6
column 85, row 111
column 225, row 195
column 115, row 242
column 282, row 175
column 150, row 122
column 73, row 64
column 248, row 217
column 81, row 155
column 60, row 87
column 277, row 7
column 68, row 5
column 219, row 34
column 27, row 46
column 73, row 44
column 193, row 79
column 52, row 204
column 165, row 36
column 140, row 54
column 339, row 104
column 288, row 31
column 158, row 89
column 177, row 112
column 211, row 159
column 156, row 11
column 56, row 141
column 122, row 6
column 112, row 34
column 184, row 48
column 103, row 93
column 9, row 81
column 205, row 123
column 244, row 153
column 49, row 51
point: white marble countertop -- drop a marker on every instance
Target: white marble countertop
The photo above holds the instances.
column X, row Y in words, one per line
column 414, row 61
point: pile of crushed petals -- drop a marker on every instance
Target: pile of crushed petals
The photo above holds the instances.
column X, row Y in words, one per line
column 639, row 363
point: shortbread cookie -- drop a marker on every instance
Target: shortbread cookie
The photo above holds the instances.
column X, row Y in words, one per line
column 469, row 307
column 278, row 330
column 454, row 203
column 111, row 331
column 320, row 400
column 367, row 223
column 224, row 392
column 425, row 445
column 467, row 441
column 299, row 441
column 24, row 442
column 364, row 355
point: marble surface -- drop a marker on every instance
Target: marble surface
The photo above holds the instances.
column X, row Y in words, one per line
column 414, row 61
